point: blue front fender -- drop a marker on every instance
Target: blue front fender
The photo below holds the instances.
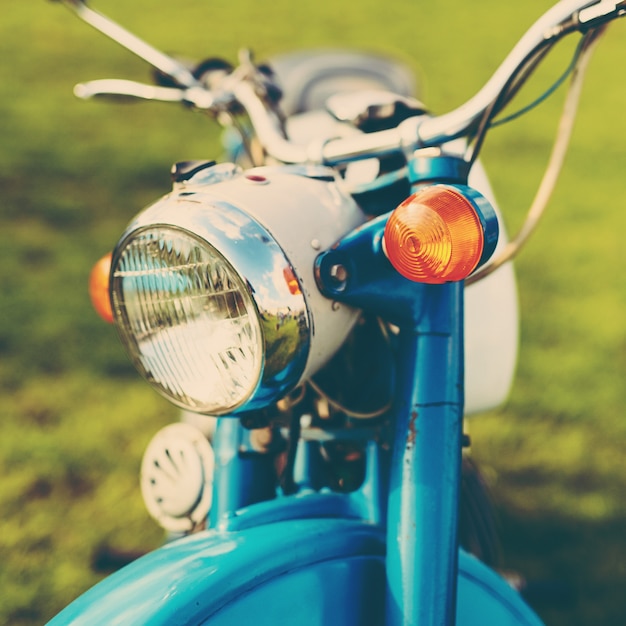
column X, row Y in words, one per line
column 312, row 571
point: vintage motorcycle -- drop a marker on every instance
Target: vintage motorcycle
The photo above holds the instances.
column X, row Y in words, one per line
column 325, row 307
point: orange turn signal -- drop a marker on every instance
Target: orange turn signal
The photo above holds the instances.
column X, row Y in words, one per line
column 99, row 288
column 435, row 235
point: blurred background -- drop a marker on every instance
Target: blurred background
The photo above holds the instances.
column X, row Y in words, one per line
column 74, row 416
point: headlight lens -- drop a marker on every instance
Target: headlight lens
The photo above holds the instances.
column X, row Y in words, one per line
column 187, row 319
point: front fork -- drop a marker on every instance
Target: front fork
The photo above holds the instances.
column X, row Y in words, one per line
column 423, row 495
column 422, row 544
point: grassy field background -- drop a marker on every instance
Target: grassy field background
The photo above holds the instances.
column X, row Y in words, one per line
column 75, row 418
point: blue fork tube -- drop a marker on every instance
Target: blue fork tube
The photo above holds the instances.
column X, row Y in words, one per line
column 254, row 474
column 422, row 544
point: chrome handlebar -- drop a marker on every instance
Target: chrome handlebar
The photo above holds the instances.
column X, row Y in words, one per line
column 565, row 17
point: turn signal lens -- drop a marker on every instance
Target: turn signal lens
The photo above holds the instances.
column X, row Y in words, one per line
column 99, row 288
column 435, row 235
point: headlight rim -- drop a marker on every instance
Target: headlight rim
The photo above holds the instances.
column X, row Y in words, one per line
column 197, row 216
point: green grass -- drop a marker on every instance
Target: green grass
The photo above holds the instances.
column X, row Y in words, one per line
column 74, row 417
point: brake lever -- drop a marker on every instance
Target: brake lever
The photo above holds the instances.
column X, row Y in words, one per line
column 166, row 64
column 127, row 89
column 119, row 89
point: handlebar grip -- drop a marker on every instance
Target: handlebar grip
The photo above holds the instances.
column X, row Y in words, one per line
column 127, row 90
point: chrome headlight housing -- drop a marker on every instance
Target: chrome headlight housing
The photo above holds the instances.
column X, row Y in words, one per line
column 214, row 312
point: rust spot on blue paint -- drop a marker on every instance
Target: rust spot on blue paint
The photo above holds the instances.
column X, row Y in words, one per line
column 412, row 435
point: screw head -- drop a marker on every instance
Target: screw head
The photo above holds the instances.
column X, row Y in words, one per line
column 338, row 273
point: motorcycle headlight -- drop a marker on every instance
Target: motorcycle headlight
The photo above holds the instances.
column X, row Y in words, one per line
column 212, row 310
column 188, row 319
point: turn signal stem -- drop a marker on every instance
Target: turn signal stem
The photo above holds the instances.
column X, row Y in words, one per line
column 355, row 271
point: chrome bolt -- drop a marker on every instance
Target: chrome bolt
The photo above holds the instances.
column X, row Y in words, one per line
column 338, row 273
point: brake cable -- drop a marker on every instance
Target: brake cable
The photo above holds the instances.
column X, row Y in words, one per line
column 555, row 163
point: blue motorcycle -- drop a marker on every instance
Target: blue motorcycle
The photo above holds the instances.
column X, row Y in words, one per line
column 325, row 306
